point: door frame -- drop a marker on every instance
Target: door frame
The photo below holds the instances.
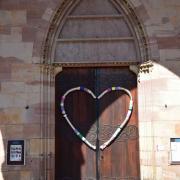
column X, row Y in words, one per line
column 48, row 74
column 49, row 69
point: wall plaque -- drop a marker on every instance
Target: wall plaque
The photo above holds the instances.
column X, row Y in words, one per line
column 15, row 152
column 175, row 150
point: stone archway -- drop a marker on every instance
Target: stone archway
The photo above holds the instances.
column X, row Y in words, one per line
column 57, row 45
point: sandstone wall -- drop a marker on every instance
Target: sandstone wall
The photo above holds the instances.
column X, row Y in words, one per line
column 23, row 27
column 159, row 106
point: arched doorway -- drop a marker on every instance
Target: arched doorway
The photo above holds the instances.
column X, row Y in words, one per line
column 95, row 43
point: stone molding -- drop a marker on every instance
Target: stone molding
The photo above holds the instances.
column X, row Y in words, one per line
column 145, row 67
column 67, row 5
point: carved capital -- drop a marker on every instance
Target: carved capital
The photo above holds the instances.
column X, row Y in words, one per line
column 51, row 69
column 146, row 67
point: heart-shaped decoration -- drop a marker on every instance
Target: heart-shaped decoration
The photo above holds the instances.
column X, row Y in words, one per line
column 120, row 127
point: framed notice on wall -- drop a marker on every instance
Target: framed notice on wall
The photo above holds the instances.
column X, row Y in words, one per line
column 15, row 152
column 175, row 150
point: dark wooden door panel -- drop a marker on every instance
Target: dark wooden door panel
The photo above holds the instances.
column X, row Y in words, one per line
column 76, row 161
column 120, row 160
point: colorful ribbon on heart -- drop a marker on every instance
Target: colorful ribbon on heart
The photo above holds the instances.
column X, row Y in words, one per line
column 120, row 127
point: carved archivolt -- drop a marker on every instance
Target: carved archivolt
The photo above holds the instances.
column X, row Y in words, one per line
column 67, row 5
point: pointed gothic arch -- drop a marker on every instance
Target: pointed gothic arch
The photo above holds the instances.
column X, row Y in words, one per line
column 120, row 13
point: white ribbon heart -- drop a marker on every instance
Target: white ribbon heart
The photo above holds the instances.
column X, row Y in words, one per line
column 120, row 127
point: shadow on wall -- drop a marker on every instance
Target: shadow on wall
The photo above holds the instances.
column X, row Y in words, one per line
column 171, row 67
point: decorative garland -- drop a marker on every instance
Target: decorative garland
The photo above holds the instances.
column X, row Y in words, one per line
column 120, row 127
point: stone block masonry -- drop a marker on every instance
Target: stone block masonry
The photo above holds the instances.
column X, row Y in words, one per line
column 23, row 27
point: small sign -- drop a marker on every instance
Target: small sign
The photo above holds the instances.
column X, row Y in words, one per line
column 175, row 150
column 15, row 152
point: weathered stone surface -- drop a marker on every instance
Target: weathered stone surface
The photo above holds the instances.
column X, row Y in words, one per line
column 136, row 3
column 32, row 131
column 159, row 171
column 15, row 36
column 47, row 14
column 6, row 30
column 12, row 87
column 165, row 20
column 25, row 72
column 6, row 100
column 168, row 175
column 146, row 158
column 160, row 128
column 5, row 70
column 23, row 27
column 169, row 42
column 33, row 114
column 14, row 132
column 25, row 175
column 167, row 113
column 35, row 147
column 28, row 34
column 172, row 66
column 12, row 116
column 146, row 129
column 147, row 172
column 142, row 13
column 177, row 128
column 146, row 144
column 16, row 18
column 19, row 50
column 15, row 175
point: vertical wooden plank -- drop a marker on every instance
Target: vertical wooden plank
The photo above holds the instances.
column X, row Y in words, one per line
column 74, row 160
column 121, row 159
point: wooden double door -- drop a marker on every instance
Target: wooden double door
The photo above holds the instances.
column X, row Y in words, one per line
column 97, row 120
